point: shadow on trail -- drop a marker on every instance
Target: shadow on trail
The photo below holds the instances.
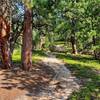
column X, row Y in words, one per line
column 33, row 82
column 89, row 77
column 80, row 69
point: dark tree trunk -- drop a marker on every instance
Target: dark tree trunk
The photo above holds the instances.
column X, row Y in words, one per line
column 5, row 26
column 27, row 41
column 73, row 43
column 6, row 54
column 94, row 43
column 4, row 44
column 73, row 38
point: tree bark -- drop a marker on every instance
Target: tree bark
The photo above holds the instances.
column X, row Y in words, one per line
column 94, row 43
column 6, row 54
column 4, row 44
column 73, row 43
column 27, row 40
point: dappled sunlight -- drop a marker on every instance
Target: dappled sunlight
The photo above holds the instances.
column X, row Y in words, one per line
column 90, row 64
column 87, row 70
column 83, row 60
column 49, row 78
column 16, row 56
column 49, row 50
column 29, row 83
column 35, row 58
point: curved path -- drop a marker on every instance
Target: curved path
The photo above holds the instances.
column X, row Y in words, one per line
column 49, row 80
column 63, row 84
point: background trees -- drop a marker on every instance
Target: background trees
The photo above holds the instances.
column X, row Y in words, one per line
column 71, row 23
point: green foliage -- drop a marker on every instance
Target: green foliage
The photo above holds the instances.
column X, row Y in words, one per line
column 57, row 20
column 64, row 18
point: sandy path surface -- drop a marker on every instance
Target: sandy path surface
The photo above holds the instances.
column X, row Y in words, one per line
column 48, row 80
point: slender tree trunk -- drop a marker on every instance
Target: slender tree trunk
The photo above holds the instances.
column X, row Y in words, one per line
column 73, row 38
column 74, row 50
column 27, row 40
column 94, row 43
column 73, row 43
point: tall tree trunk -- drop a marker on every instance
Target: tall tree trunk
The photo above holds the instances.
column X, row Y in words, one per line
column 6, row 54
column 73, row 36
column 73, row 43
column 4, row 38
column 27, row 40
column 94, row 43
column 5, row 26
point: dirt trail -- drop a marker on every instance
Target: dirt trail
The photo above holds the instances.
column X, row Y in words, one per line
column 48, row 80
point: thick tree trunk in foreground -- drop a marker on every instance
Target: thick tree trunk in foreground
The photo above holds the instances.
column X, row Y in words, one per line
column 4, row 44
column 5, row 25
column 73, row 43
column 6, row 54
column 27, row 41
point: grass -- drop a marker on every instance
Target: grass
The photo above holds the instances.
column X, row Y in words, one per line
column 85, row 68
column 37, row 55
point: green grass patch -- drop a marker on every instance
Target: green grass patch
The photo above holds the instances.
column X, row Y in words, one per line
column 36, row 56
column 85, row 68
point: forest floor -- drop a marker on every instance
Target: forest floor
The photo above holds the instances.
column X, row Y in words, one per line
column 87, row 70
column 67, row 76
column 49, row 79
